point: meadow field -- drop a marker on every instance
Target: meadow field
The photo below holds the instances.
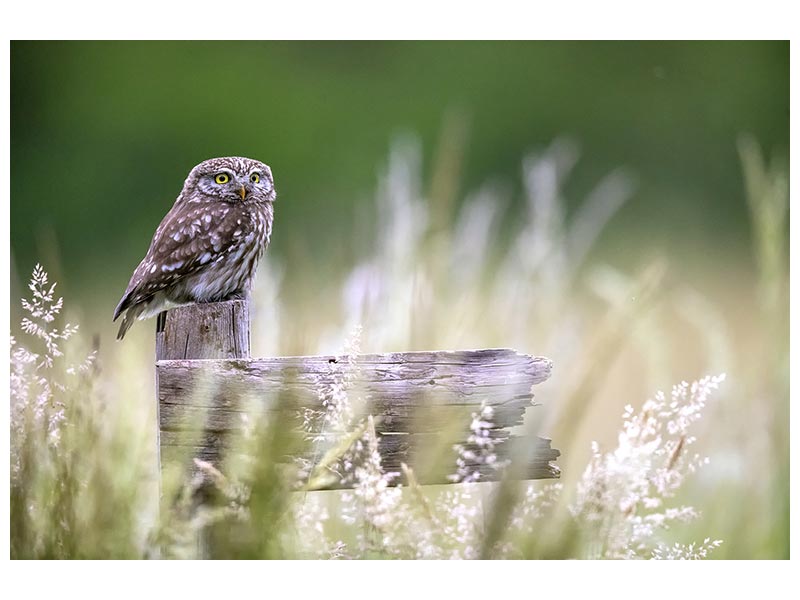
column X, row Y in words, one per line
column 657, row 285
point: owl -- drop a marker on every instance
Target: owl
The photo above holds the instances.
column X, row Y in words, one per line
column 208, row 245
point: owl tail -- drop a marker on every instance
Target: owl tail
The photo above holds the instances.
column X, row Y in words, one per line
column 128, row 318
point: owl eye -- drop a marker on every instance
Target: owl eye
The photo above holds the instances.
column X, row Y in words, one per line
column 222, row 178
column 255, row 178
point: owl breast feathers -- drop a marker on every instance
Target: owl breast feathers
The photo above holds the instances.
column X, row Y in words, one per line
column 207, row 247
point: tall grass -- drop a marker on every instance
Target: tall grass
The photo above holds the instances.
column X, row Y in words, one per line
column 78, row 475
column 84, row 481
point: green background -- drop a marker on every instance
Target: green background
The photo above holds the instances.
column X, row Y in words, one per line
column 103, row 134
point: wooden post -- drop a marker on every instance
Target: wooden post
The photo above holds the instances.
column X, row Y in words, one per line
column 201, row 331
column 219, row 330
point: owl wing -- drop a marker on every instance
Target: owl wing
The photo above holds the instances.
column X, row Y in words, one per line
column 188, row 238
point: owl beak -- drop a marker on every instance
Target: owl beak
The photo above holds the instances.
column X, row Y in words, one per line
column 242, row 192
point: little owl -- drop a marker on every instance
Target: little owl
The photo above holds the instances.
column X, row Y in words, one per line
column 207, row 247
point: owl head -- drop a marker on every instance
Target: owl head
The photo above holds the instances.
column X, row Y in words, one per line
column 232, row 179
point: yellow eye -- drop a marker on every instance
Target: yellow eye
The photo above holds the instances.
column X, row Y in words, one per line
column 255, row 178
column 222, row 178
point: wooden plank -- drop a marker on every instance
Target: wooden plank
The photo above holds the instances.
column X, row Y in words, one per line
column 394, row 448
column 533, row 468
column 431, row 453
column 407, row 418
column 470, row 372
column 395, row 383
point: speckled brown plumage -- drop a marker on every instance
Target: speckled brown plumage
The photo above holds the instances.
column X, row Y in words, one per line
column 207, row 247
